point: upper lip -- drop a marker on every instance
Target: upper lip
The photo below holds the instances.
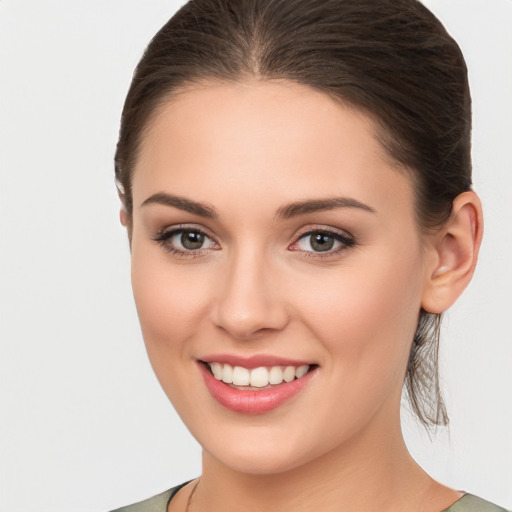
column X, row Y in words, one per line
column 254, row 361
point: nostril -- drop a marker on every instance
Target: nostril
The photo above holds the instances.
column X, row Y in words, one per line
column 248, row 304
column 252, row 323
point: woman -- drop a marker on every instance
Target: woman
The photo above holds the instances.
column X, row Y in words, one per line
column 296, row 185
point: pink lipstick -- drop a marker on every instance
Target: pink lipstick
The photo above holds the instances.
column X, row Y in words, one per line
column 256, row 384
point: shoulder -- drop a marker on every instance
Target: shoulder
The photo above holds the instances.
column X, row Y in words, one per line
column 157, row 503
column 470, row 503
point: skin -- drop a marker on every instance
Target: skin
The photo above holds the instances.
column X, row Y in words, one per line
column 246, row 150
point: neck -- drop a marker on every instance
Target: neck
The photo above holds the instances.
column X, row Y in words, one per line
column 373, row 471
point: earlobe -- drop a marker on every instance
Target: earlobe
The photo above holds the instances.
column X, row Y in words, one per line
column 455, row 250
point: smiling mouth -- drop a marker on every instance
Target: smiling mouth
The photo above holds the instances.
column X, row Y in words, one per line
column 260, row 378
column 257, row 387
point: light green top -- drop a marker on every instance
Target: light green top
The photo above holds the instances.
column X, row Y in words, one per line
column 159, row 503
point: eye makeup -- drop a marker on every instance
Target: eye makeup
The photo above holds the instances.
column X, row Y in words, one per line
column 322, row 242
column 185, row 241
column 188, row 241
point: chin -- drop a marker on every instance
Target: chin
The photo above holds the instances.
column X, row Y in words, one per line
column 258, row 461
column 263, row 448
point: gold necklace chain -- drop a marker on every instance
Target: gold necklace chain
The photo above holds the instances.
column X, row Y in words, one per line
column 189, row 501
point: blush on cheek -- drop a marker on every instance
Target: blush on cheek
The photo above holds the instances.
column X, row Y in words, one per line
column 169, row 303
column 368, row 320
column 160, row 314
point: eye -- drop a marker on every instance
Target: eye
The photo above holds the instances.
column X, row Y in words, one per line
column 190, row 240
column 185, row 241
column 323, row 241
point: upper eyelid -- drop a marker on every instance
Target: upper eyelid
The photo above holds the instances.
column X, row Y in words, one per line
column 322, row 229
column 302, row 232
column 346, row 239
column 186, row 227
column 164, row 237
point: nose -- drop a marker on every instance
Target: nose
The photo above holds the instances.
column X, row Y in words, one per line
column 250, row 300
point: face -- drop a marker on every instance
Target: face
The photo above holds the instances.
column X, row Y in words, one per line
column 272, row 237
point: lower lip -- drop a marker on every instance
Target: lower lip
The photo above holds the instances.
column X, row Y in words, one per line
column 253, row 402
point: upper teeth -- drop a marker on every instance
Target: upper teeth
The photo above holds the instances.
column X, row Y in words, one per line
column 257, row 377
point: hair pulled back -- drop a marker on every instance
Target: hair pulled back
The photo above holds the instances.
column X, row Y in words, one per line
column 392, row 59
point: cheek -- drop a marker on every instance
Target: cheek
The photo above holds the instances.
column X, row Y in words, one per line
column 365, row 321
column 366, row 317
column 169, row 303
column 170, row 306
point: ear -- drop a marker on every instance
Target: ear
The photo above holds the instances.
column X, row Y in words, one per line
column 126, row 221
column 123, row 216
column 455, row 253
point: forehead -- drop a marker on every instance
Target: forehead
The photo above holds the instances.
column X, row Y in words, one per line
column 275, row 140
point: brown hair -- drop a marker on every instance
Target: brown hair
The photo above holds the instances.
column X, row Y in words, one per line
column 393, row 59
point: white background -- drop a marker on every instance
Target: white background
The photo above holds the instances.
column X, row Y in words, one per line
column 84, row 425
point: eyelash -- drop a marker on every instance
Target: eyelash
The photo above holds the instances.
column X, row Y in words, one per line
column 163, row 238
column 346, row 240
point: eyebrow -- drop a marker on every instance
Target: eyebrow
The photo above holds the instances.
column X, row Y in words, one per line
column 319, row 205
column 285, row 212
column 187, row 205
